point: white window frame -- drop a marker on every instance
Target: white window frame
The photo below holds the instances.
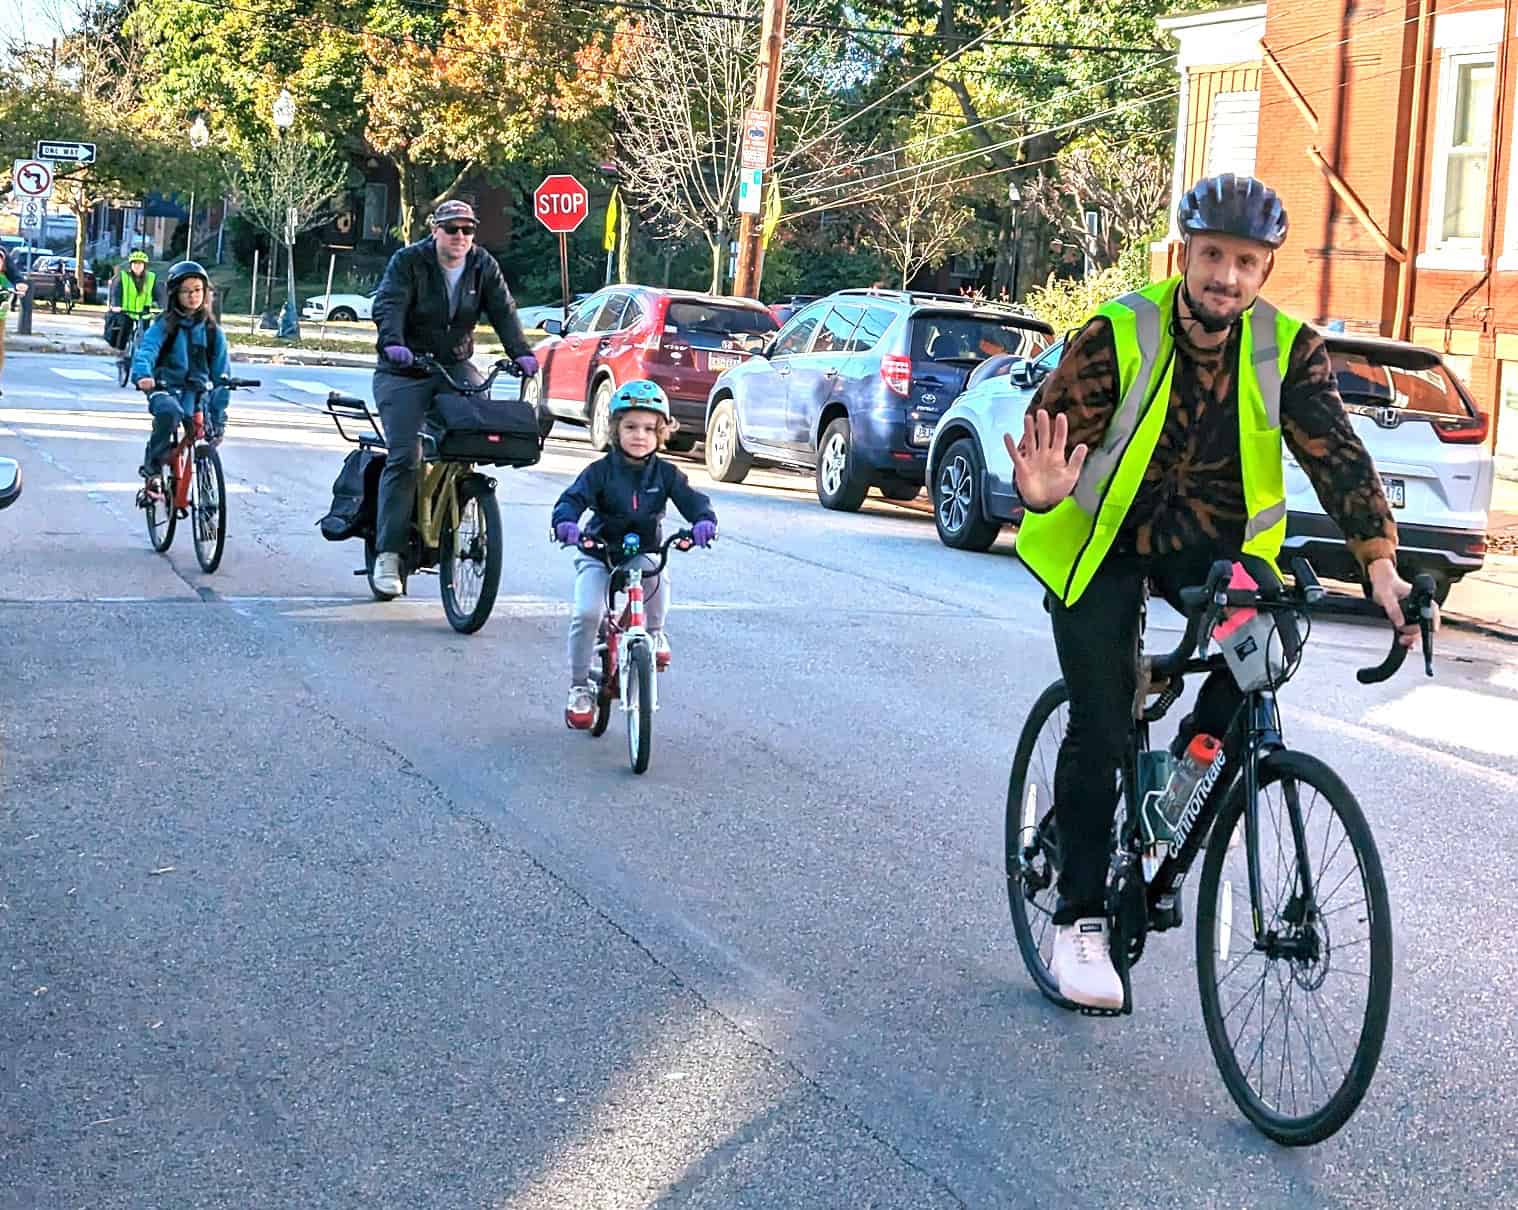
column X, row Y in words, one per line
column 1439, row 253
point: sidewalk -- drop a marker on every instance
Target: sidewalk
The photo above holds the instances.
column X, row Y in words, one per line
column 1489, row 599
column 80, row 333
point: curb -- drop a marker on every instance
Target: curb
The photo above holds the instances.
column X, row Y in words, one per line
column 1494, row 630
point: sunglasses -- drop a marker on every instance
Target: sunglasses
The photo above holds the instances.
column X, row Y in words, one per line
column 452, row 229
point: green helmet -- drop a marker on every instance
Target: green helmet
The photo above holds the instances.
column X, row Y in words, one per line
column 643, row 394
column 138, row 257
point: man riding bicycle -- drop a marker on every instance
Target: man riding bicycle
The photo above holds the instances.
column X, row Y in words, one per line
column 1153, row 449
column 135, row 293
column 429, row 301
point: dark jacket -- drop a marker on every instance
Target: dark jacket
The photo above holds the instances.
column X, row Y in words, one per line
column 411, row 307
column 628, row 497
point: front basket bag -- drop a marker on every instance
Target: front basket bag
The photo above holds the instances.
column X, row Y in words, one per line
column 476, row 428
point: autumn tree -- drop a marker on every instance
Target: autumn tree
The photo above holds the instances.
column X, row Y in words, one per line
column 919, row 216
column 1126, row 192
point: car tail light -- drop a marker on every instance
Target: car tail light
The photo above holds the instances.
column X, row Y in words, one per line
column 1463, row 432
column 897, row 372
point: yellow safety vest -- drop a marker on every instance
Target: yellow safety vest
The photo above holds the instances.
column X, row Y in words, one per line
column 137, row 302
column 1064, row 546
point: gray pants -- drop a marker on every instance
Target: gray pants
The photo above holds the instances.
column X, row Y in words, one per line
column 591, row 579
column 403, row 405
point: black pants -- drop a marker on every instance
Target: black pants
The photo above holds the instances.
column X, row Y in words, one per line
column 1097, row 639
column 403, row 404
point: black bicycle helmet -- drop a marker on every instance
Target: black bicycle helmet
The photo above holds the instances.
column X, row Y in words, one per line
column 1233, row 205
column 184, row 269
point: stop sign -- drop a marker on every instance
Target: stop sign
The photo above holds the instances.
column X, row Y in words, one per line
column 561, row 203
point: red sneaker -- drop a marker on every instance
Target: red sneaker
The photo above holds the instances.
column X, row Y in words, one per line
column 580, row 710
column 662, row 654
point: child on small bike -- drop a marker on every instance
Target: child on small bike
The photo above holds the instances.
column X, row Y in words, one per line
column 184, row 346
column 626, row 491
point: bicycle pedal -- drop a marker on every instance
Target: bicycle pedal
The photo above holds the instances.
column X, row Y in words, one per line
column 1086, row 1010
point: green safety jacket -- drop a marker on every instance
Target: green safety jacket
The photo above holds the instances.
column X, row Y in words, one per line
column 1064, row 546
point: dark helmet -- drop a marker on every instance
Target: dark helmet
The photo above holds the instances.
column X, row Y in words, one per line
column 184, row 269
column 1233, row 205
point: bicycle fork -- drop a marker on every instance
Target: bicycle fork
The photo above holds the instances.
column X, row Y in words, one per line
column 635, row 633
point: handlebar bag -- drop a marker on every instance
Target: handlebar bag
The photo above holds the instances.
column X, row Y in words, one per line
column 355, row 496
column 485, row 431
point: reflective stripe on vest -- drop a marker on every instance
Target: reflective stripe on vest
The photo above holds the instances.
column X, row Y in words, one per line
column 1065, row 546
column 133, row 301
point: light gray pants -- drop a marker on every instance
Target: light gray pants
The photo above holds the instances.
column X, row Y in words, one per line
column 591, row 578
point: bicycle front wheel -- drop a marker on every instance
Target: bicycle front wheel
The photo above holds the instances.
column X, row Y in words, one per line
column 1032, row 847
column 640, row 705
column 208, row 512
column 1296, row 1007
column 469, row 574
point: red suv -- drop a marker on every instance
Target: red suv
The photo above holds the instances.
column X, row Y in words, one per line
column 677, row 338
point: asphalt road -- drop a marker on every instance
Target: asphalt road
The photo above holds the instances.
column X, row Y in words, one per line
column 306, row 900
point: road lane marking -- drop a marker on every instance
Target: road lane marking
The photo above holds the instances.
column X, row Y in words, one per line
column 309, row 385
column 1460, row 718
column 76, row 375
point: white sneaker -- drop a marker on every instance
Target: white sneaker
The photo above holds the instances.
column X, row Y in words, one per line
column 387, row 574
column 1082, row 964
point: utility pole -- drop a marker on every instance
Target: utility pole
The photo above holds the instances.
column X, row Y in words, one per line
column 750, row 225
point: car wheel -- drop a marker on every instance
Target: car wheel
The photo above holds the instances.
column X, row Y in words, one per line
column 726, row 459
column 957, row 510
column 600, row 415
column 840, row 483
column 343, row 315
column 532, row 392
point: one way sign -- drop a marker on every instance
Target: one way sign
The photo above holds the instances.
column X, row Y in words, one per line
column 73, row 153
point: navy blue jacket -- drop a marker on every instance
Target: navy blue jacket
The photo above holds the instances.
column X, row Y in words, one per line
column 628, row 496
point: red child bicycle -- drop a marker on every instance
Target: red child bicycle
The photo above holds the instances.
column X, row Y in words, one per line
column 624, row 667
column 191, row 486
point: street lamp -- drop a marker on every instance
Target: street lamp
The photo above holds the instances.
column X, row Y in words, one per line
column 1015, row 204
column 289, row 319
column 199, row 137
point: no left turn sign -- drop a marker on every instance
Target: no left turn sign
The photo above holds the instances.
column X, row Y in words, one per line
column 32, row 178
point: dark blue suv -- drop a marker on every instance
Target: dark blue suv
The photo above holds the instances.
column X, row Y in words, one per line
column 852, row 388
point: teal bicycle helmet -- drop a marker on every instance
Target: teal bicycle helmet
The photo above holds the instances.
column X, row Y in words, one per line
column 642, row 394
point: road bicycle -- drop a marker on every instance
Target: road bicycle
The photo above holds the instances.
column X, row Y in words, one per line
column 456, row 529
column 191, row 485
column 138, row 329
column 624, row 668
column 1293, row 928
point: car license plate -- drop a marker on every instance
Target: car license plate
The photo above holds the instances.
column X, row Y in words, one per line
column 722, row 361
column 1396, row 491
column 922, row 434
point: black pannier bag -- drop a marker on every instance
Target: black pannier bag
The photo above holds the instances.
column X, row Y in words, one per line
column 355, row 496
column 476, row 428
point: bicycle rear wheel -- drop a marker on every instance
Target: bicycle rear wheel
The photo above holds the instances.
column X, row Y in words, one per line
column 1296, row 1019
column 208, row 512
column 159, row 511
column 469, row 574
column 1032, row 847
column 640, row 705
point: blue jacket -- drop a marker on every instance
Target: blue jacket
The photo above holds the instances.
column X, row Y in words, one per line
column 626, row 496
column 187, row 356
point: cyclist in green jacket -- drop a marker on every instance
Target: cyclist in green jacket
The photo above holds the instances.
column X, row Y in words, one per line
column 1154, row 448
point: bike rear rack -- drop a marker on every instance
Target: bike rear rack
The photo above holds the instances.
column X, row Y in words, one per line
column 355, row 411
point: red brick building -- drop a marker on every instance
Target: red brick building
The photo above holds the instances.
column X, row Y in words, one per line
column 1389, row 129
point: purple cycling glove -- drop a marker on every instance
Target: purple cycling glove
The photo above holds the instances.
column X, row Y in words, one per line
column 399, row 355
column 528, row 364
column 567, row 532
column 702, row 532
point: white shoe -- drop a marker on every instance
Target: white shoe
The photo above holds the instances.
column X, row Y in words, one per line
column 1082, row 964
column 387, row 574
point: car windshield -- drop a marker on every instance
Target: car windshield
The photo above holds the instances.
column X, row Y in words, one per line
column 719, row 326
column 1414, row 380
column 965, row 338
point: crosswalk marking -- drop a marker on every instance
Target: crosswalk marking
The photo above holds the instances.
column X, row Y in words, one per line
column 310, row 386
column 83, row 375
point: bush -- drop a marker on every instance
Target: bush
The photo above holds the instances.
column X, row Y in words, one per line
column 1065, row 305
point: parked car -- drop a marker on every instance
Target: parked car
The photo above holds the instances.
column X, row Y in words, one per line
column 44, row 275
column 532, row 317
column 677, row 338
column 340, row 307
column 1415, row 417
column 853, row 386
column 788, row 306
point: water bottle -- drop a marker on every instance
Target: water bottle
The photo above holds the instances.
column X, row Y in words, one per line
column 1161, row 809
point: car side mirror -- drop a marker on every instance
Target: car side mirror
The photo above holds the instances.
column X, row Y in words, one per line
column 10, row 481
column 766, row 349
column 1023, row 374
column 554, row 327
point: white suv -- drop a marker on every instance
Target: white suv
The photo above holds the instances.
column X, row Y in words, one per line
column 1415, row 417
